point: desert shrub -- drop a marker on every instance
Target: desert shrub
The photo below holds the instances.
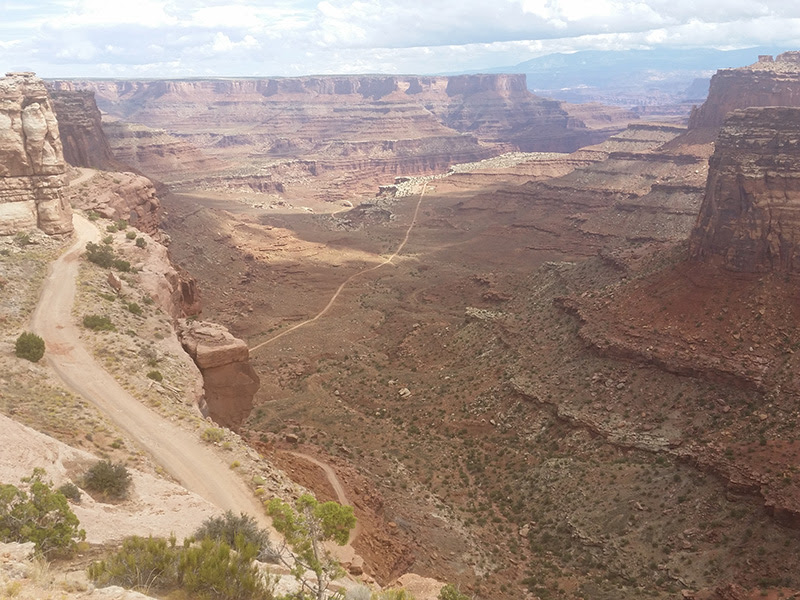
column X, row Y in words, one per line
column 141, row 242
column 214, row 570
column 451, row 592
column 102, row 256
column 39, row 515
column 98, row 323
column 70, row 491
column 147, row 300
column 29, row 346
column 22, row 239
column 213, row 435
column 210, row 570
column 92, row 215
column 134, row 308
column 121, row 265
column 155, row 376
column 108, row 240
column 393, row 594
column 228, row 527
column 131, row 235
column 121, row 224
column 141, row 564
column 111, row 480
column 111, row 228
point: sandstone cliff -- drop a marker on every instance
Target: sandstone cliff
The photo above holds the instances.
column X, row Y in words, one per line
column 358, row 129
column 230, row 382
column 768, row 82
column 750, row 216
column 81, row 130
column 31, row 160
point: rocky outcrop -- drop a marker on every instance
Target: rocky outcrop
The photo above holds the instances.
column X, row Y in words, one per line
column 750, row 217
column 768, row 82
column 229, row 380
column 81, row 130
column 32, row 164
column 120, row 195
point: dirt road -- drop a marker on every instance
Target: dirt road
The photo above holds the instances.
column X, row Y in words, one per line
column 343, row 285
column 180, row 453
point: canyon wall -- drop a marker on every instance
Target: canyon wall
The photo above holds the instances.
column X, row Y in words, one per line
column 750, row 217
column 377, row 126
column 81, row 130
column 32, row 164
column 768, row 82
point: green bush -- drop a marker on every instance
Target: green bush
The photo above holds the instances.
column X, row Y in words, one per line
column 121, row 224
column 213, row 435
column 22, row 239
column 210, row 570
column 141, row 242
column 111, row 228
column 228, row 527
column 141, row 564
column 134, row 308
column 70, row 492
column 131, row 235
column 98, row 323
column 110, row 480
column 155, row 376
column 29, row 346
column 39, row 515
column 451, row 592
column 121, row 265
column 108, row 240
column 100, row 255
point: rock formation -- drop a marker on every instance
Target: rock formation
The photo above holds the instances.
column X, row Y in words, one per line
column 768, row 82
column 120, row 196
column 230, row 381
column 31, row 160
column 750, row 216
column 82, row 137
column 354, row 130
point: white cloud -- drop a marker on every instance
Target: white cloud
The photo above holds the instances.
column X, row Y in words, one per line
column 289, row 37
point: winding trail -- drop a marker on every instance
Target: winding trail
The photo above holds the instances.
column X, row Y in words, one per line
column 341, row 287
column 193, row 464
column 336, row 484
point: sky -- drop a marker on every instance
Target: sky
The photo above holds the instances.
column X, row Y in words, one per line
column 240, row 38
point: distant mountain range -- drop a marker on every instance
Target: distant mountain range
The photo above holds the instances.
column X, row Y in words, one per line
column 631, row 77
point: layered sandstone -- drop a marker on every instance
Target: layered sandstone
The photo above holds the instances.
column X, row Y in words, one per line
column 768, row 82
column 32, row 164
column 750, row 217
column 230, row 381
column 372, row 127
column 81, row 130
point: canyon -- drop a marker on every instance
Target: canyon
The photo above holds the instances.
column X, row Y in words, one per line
column 544, row 359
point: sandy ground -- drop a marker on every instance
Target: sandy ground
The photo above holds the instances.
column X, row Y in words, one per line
column 155, row 506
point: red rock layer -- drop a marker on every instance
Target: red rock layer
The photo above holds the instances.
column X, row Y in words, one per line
column 765, row 83
column 750, row 217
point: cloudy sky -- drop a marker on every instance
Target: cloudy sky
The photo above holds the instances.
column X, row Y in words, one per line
column 171, row 38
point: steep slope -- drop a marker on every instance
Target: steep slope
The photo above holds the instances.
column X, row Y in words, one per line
column 768, row 82
column 750, row 217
